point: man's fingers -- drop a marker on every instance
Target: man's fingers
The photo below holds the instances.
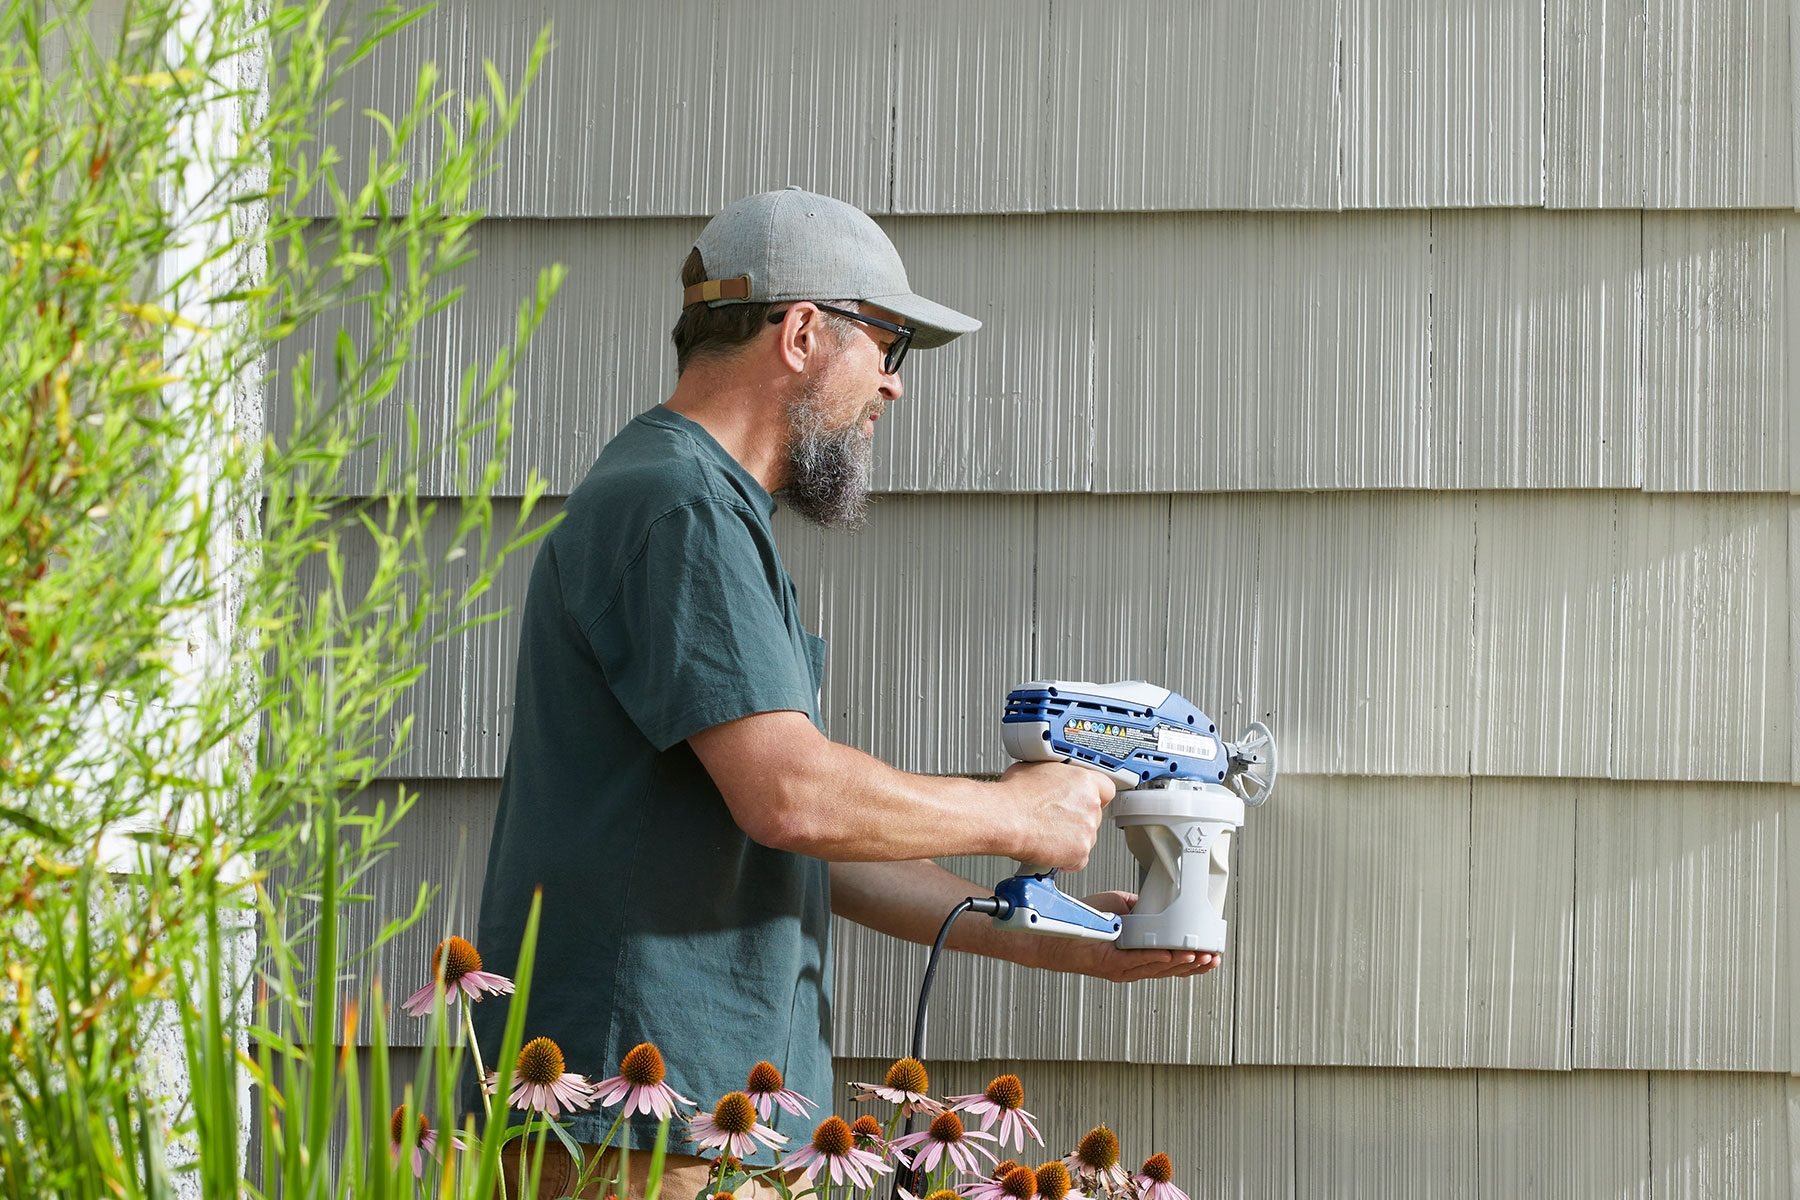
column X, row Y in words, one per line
column 1162, row 964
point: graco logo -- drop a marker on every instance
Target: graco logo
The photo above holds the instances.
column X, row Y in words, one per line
column 1197, row 840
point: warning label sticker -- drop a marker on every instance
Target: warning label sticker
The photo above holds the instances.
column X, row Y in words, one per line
column 1116, row 741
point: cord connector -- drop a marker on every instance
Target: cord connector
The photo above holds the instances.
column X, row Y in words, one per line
column 990, row 906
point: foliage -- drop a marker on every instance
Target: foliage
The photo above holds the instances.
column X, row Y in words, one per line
column 205, row 632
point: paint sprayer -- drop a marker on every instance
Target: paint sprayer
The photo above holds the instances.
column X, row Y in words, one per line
column 1182, row 790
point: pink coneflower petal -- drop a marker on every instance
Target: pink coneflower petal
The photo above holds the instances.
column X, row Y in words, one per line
column 476, row 984
column 657, row 1099
column 419, row 1003
column 1015, row 1125
column 1151, row 1189
column 787, row 1099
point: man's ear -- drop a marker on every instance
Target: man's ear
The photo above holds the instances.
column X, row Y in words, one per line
column 798, row 339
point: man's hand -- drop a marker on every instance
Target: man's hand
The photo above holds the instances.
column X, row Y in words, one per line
column 1104, row 960
column 1060, row 806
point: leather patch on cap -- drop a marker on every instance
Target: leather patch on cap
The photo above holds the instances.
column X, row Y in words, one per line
column 735, row 288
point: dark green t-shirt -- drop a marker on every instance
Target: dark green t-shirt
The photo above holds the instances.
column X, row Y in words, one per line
column 659, row 607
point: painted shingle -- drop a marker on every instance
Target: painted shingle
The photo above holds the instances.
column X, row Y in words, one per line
column 1703, row 680
column 1168, row 105
column 1397, row 1135
column 1259, row 351
column 1594, row 104
column 1521, row 922
column 1343, row 621
column 1679, row 928
column 1354, row 924
column 1009, row 407
column 1535, row 324
column 1443, row 103
column 1230, row 1130
column 1723, row 1135
column 1718, row 103
column 1504, row 634
column 1200, row 352
column 928, row 614
column 1546, row 632
column 1668, row 104
column 441, row 843
column 1719, row 324
column 970, row 105
column 1584, row 1133
column 1088, row 624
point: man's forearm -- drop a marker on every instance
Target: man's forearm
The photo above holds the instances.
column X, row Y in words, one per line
column 909, row 900
column 831, row 801
column 791, row 788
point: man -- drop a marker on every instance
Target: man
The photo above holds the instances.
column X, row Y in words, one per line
column 668, row 786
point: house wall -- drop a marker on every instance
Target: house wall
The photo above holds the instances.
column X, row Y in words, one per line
column 1415, row 377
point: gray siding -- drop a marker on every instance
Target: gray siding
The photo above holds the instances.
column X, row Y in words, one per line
column 677, row 107
column 1216, row 352
column 1609, row 635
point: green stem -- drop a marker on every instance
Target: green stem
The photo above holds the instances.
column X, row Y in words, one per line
column 582, row 1179
column 475, row 1046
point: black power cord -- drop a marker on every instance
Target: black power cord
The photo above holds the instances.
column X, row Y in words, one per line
column 992, row 906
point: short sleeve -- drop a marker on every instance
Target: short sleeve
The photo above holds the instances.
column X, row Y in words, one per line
column 695, row 634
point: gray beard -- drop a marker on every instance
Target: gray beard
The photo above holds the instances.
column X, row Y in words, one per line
column 828, row 469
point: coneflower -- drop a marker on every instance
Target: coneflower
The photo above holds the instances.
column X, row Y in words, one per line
column 1020, row 1183
column 944, row 1138
column 1096, row 1162
column 867, row 1133
column 834, row 1150
column 1003, row 1101
column 732, row 1126
column 1155, row 1180
column 459, row 966
column 539, row 1083
column 990, row 1188
column 766, row 1089
column 424, row 1144
column 1053, row 1182
column 905, row 1084
column 640, row 1085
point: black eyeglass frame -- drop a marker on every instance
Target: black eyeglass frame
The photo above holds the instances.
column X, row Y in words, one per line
column 896, row 350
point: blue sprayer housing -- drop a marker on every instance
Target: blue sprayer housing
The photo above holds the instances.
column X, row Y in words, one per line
column 1163, row 737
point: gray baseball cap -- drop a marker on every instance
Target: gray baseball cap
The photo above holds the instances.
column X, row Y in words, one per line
column 799, row 245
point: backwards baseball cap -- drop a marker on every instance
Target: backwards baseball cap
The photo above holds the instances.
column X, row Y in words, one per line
column 799, row 245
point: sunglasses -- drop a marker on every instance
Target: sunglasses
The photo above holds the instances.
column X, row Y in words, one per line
column 896, row 350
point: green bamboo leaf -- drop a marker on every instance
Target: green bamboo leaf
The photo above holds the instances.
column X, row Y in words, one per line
column 35, row 827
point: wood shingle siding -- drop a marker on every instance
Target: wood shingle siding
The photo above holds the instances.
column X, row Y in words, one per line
column 677, row 107
column 1607, row 635
column 1381, row 922
column 1213, row 352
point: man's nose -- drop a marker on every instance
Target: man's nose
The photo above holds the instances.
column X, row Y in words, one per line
column 891, row 388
